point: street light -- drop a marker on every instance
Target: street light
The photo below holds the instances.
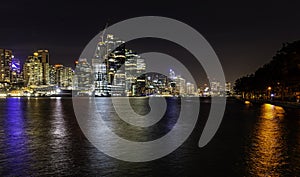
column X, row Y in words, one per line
column 269, row 89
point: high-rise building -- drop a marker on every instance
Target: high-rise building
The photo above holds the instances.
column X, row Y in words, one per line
column 115, row 68
column 180, row 85
column 215, row 86
column 33, row 71
column 130, row 71
column 63, row 76
column 140, row 65
column 190, row 88
column 135, row 66
column 43, row 56
column 111, row 79
column 100, row 78
column 36, row 69
column 52, row 75
column 83, row 79
column 217, row 89
column 5, row 65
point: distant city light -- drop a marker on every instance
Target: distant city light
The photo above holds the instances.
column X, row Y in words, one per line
column 15, row 65
column 58, row 90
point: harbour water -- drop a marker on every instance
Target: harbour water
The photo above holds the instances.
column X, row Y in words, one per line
column 41, row 137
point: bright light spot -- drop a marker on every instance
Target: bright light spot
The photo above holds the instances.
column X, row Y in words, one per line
column 247, row 102
column 271, row 112
column 3, row 95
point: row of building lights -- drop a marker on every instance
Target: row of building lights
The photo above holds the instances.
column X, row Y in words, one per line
column 113, row 71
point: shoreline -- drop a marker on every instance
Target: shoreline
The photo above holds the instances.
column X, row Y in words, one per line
column 285, row 104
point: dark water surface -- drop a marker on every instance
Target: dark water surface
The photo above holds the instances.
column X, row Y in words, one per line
column 41, row 137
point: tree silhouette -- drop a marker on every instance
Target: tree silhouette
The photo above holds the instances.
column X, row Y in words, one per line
column 282, row 74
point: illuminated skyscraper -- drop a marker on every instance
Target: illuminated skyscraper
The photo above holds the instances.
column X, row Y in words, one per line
column 217, row 89
column 115, row 68
column 63, row 76
column 33, row 71
column 100, row 77
column 180, row 85
column 116, row 73
column 43, row 56
column 135, row 66
column 83, row 79
column 108, row 74
column 52, row 75
column 36, row 69
column 140, row 65
column 190, row 88
column 5, row 65
column 130, row 71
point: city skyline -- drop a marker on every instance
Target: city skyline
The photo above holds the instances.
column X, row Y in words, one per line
column 244, row 37
column 115, row 71
column 149, row 88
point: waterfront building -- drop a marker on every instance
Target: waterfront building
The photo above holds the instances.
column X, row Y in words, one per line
column 100, row 78
column 190, row 88
column 215, row 88
column 43, row 56
column 52, row 75
column 116, row 71
column 33, row 71
column 130, row 71
column 109, row 75
column 140, row 65
column 63, row 76
column 139, row 87
column 115, row 68
column 5, row 65
column 180, row 85
column 36, row 69
column 83, row 79
column 135, row 66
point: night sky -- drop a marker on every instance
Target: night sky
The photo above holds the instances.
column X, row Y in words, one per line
column 244, row 35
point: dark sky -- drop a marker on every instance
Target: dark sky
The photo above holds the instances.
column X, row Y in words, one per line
column 245, row 35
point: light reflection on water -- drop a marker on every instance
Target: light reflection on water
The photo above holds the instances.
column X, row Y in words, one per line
column 268, row 154
column 59, row 144
column 16, row 142
column 41, row 137
column 269, row 111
